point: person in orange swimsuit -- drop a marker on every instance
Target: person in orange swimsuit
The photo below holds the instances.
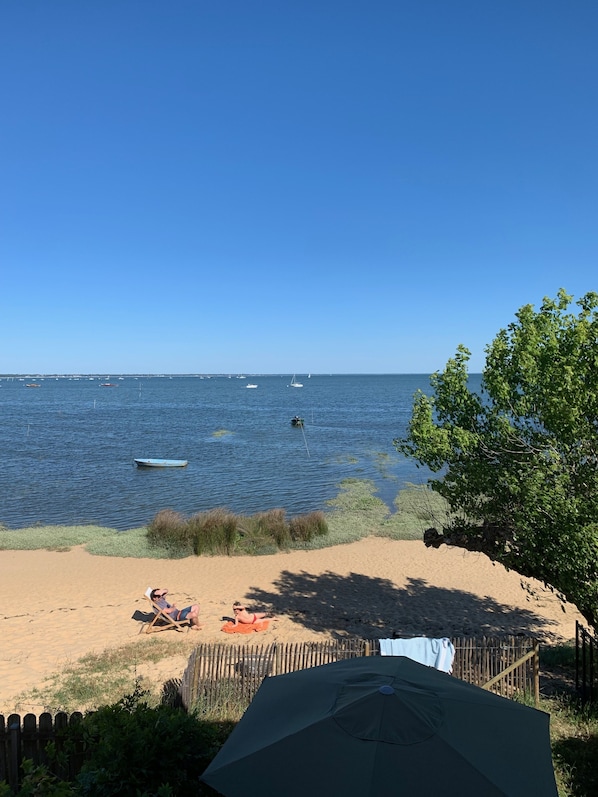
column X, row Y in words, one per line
column 243, row 616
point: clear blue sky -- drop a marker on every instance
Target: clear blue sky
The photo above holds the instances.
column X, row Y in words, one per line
column 267, row 186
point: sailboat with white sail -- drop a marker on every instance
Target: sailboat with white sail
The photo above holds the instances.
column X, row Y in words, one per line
column 294, row 382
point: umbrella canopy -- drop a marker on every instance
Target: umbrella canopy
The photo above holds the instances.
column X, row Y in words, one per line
column 383, row 725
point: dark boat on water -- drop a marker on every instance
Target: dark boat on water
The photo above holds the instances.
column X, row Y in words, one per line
column 296, row 421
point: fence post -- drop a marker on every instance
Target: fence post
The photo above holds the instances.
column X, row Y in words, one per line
column 583, row 664
column 536, row 673
column 14, row 751
column 577, row 656
column 592, row 643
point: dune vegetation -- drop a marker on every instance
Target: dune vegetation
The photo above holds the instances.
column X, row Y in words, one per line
column 356, row 512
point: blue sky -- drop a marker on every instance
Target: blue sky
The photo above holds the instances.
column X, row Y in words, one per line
column 274, row 187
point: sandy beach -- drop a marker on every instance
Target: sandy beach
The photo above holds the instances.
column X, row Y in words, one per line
column 59, row 606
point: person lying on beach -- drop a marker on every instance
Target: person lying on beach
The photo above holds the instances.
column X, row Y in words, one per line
column 243, row 616
column 190, row 613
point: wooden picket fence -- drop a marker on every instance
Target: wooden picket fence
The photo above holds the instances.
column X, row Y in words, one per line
column 230, row 674
column 224, row 673
column 27, row 737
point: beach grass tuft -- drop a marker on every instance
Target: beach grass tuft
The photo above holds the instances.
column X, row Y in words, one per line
column 305, row 528
column 171, row 530
column 214, row 532
column 220, row 532
column 264, row 529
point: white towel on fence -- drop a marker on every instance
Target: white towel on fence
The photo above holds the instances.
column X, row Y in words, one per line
column 438, row 653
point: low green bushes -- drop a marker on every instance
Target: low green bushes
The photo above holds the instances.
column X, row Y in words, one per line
column 213, row 532
column 271, row 525
column 133, row 748
column 304, row 528
column 219, row 532
column 171, row 531
column 129, row 749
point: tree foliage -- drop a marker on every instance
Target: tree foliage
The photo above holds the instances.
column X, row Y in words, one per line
column 518, row 462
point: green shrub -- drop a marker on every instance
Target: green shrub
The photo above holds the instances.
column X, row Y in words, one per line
column 219, row 531
column 131, row 749
column 273, row 526
column 170, row 530
column 214, row 532
column 255, row 540
column 38, row 781
column 304, row 528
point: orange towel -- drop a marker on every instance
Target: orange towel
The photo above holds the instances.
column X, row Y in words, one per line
column 245, row 628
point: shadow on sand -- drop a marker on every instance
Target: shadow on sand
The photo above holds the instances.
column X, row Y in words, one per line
column 375, row 608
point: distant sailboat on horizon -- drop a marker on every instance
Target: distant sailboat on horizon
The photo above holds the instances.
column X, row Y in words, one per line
column 294, row 382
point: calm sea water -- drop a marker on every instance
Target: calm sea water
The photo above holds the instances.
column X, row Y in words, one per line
column 68, row 446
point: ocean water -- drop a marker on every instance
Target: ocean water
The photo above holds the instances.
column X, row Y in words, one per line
column 68, row 446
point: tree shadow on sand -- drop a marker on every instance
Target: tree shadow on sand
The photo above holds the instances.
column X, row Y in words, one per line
column 359, row 605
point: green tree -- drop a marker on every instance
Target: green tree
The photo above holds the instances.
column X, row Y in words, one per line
column 518, row 462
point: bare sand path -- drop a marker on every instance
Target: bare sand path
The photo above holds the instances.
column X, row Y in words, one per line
column 58, row 606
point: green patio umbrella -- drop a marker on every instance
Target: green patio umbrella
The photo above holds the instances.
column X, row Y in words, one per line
column 383, row 725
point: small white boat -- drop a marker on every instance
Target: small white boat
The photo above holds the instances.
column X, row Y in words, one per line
column 250, row 385
column 294, row 382
column 161, row 463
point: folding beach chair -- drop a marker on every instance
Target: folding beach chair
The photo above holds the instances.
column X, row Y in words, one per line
column 162, row 620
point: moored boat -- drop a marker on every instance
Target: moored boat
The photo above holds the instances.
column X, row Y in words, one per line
column 161, row 463
column 297, row 421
